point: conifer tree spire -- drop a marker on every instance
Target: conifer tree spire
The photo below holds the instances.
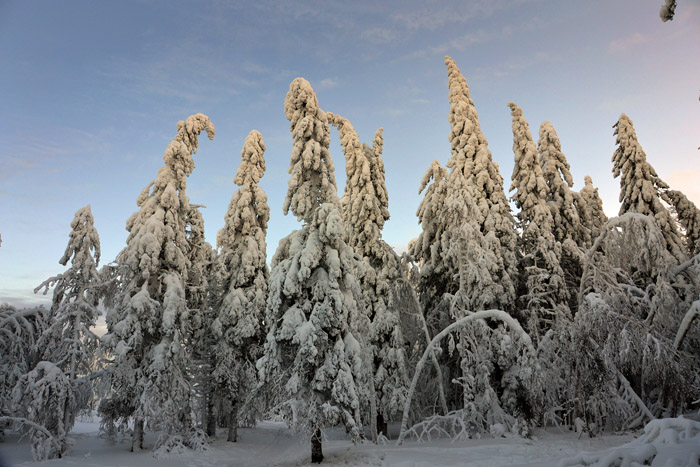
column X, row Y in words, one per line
column 312, row 363
column 148, row 319
column 471, row 159
column 365, row 201
column 311, row 165
column 242, row 275
column 594, row 216
column 641, row 189
column 68, row 345
column 546, row 294
column 562, row 200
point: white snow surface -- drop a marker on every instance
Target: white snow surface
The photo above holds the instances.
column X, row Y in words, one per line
column 272, row 443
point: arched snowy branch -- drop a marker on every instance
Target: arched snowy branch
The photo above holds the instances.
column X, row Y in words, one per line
column 692, row 313
column 483, row 314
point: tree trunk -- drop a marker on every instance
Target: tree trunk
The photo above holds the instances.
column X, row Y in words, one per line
column 137, row 437
column 316, row 447
column 233, row 423
column 382, row 425
column 211, row 420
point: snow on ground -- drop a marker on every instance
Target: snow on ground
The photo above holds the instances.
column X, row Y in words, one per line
column 272, row 443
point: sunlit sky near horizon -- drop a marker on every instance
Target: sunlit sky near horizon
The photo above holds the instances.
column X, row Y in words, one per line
column 92, row 92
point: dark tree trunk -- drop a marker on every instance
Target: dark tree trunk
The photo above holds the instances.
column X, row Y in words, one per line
column 137, row 437
column 233, row 423
column 382, row 425
column 211, row 420
column 316, row 447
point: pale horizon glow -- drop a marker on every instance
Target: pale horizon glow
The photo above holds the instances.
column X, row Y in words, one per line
column 93, row 92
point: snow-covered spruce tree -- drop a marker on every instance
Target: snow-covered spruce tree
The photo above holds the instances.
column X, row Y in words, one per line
column 545, row 296
column 312, row 361
column 69, row 342
column 591, row 214
column 689, row 217
column 471, row 164
column 148, row 319
column 242, row 275
column 472, row 193
column 568, row 228
column 20, row 331
column 641, row 190
column 560, row 198
column 365, row 206
column 198, row 288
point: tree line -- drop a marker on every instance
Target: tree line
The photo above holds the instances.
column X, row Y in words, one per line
column 491, row 322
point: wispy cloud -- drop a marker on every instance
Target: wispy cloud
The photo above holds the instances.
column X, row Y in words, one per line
column 515, row 65
column 461, row 43
column 432, row 15
column 328, row 83
column 626, row 43
column 380, row 35
column 37, row 152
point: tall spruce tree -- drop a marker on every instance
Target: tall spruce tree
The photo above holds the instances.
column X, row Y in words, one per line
column 148, row 318
column 561, row 199
column 471, row 168
column 69, row 342
column 312, row 361
column 641, row 189
column 565, row 204
column 365, row 210
column 545, row 295
column 242, row 276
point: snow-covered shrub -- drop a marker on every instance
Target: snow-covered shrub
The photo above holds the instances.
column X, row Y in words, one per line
column 20, row 331
column 44, row 397
column 666, row 441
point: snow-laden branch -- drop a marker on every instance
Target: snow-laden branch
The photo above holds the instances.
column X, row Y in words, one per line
column 483, row 314
column 692, row 313
column 29, row 423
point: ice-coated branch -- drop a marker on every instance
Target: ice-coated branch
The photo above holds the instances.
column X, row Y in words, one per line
column 483, row 314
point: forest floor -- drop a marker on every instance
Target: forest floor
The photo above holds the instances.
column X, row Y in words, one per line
column 272, row 443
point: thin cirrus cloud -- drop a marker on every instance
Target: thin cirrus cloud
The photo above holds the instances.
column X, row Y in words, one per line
column 328, row 83
column 432, row 15
column 626, row 43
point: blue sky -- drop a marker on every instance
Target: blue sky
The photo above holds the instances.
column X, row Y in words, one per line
column 92, row 91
